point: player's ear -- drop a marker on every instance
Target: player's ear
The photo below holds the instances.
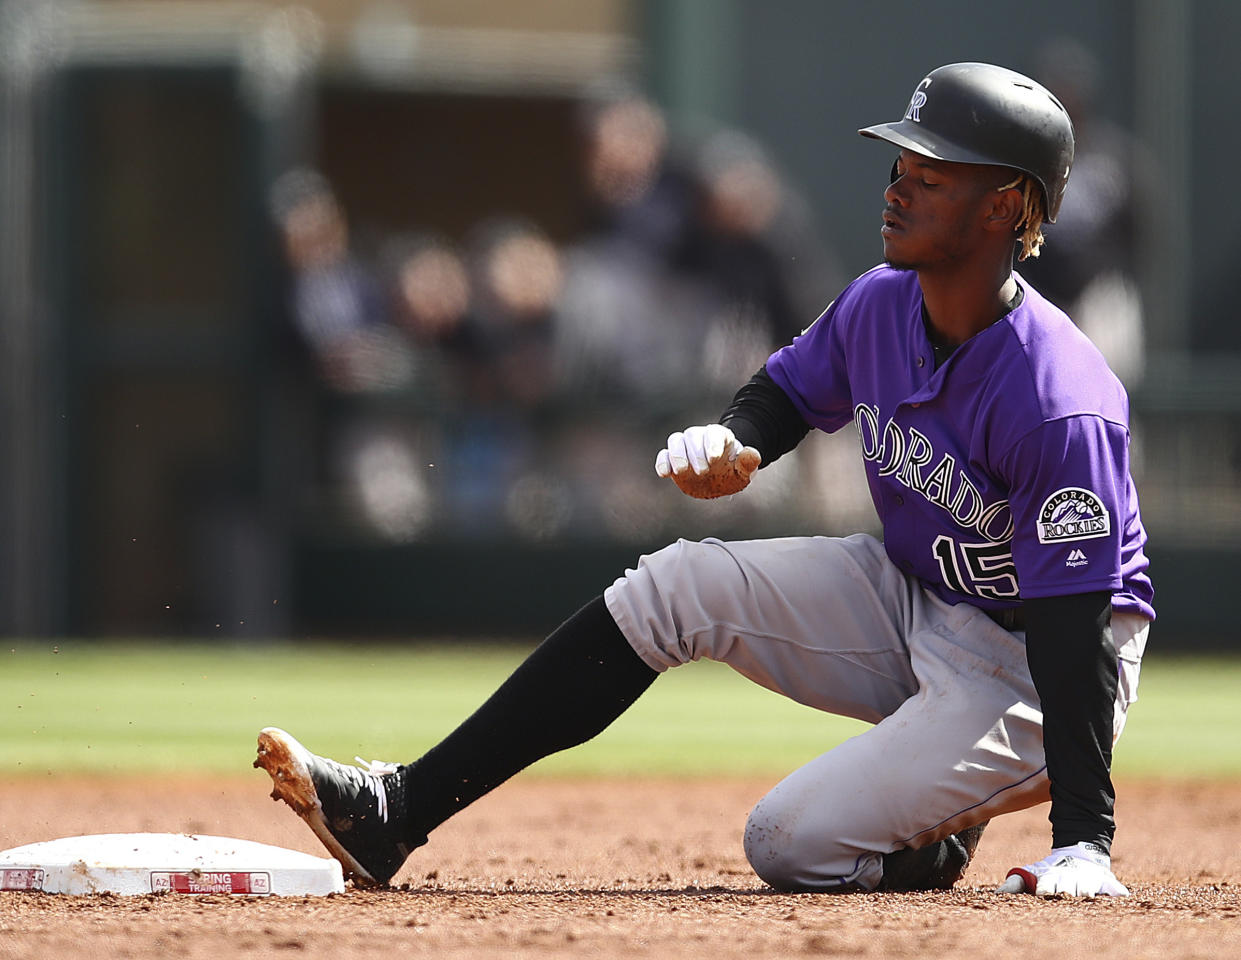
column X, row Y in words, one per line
column 1002, row 209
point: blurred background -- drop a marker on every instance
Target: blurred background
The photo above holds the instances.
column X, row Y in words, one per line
column 353, row 318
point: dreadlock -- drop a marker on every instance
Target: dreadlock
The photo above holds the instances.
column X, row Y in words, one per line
column 1031, row 222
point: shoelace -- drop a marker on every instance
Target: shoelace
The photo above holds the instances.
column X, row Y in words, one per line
column 369, row 774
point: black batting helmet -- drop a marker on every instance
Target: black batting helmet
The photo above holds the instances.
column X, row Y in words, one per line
column 981, row 113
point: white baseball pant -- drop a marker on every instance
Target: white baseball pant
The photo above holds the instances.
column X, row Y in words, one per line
column 832, row 623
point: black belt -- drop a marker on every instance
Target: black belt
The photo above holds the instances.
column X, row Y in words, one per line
column 1010, row 618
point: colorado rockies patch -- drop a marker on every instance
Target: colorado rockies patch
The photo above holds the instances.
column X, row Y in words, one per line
column 1072, row 514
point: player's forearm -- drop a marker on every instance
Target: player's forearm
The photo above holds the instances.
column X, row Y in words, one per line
column 762, row 416
column 1072, row 659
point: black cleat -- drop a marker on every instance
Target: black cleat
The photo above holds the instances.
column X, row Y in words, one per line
column 347, row 807
column 969, row 838
column 934, row 867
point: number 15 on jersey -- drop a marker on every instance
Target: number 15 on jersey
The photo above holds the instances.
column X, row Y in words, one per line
column 978, row 569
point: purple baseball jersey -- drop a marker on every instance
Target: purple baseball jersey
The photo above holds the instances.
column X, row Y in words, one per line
column 1002, row 475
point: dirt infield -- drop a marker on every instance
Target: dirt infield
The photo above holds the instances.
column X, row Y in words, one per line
column 547, row 868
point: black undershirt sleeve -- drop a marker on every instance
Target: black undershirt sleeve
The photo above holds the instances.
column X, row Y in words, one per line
column 1072, row 658
column 762, row 416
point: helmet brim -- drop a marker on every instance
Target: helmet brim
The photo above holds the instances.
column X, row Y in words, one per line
column 911, row 136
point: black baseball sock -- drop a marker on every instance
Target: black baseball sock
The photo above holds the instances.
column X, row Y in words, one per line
column 574, row 684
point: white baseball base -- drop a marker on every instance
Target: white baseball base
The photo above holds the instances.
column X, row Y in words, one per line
column 128, row 864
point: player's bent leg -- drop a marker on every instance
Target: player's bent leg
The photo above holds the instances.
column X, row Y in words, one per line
column 873, row 815
column 966, row 747
column 901, row 807
column 825, row 621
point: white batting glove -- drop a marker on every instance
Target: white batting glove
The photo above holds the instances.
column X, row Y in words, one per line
column 707, row 462
column 1082, row 870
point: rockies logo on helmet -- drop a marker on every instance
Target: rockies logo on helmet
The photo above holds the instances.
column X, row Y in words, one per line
column 917, row 102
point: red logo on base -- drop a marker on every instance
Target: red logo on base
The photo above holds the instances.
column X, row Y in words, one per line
column 212, row 881
column 23, row 879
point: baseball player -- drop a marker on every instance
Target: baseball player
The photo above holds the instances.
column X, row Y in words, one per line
column 993, row 637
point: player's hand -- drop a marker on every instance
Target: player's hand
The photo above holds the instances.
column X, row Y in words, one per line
column 1082, row 870
column 707, row 462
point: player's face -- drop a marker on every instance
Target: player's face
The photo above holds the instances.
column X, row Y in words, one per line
column 932, row 212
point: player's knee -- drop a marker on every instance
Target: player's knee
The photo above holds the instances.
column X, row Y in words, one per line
column 791, row 858
column 776, row 853
column 670, row 561
column 767, row 855
column 671, row 588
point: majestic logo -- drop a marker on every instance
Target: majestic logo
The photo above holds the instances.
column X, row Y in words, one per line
column 1076, row 559
column 917, row 102
column 1072, row 514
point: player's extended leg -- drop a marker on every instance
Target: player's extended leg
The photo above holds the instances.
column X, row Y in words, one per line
column 580, row 679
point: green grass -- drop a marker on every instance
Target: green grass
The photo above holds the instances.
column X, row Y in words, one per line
column 110, row 708
column 1186, row 719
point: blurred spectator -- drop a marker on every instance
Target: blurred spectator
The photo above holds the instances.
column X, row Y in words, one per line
column 388, row 456
column 730, row 245
column 638, row 197
column 689, row 273
column 627, row 327
column 429, row 289
column 496, row 442
column 337, row 304
column 517, row 278
column 693, row 268
column 1087, row 266
column 632, row 329
column 340, row 314
column 749, row 245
